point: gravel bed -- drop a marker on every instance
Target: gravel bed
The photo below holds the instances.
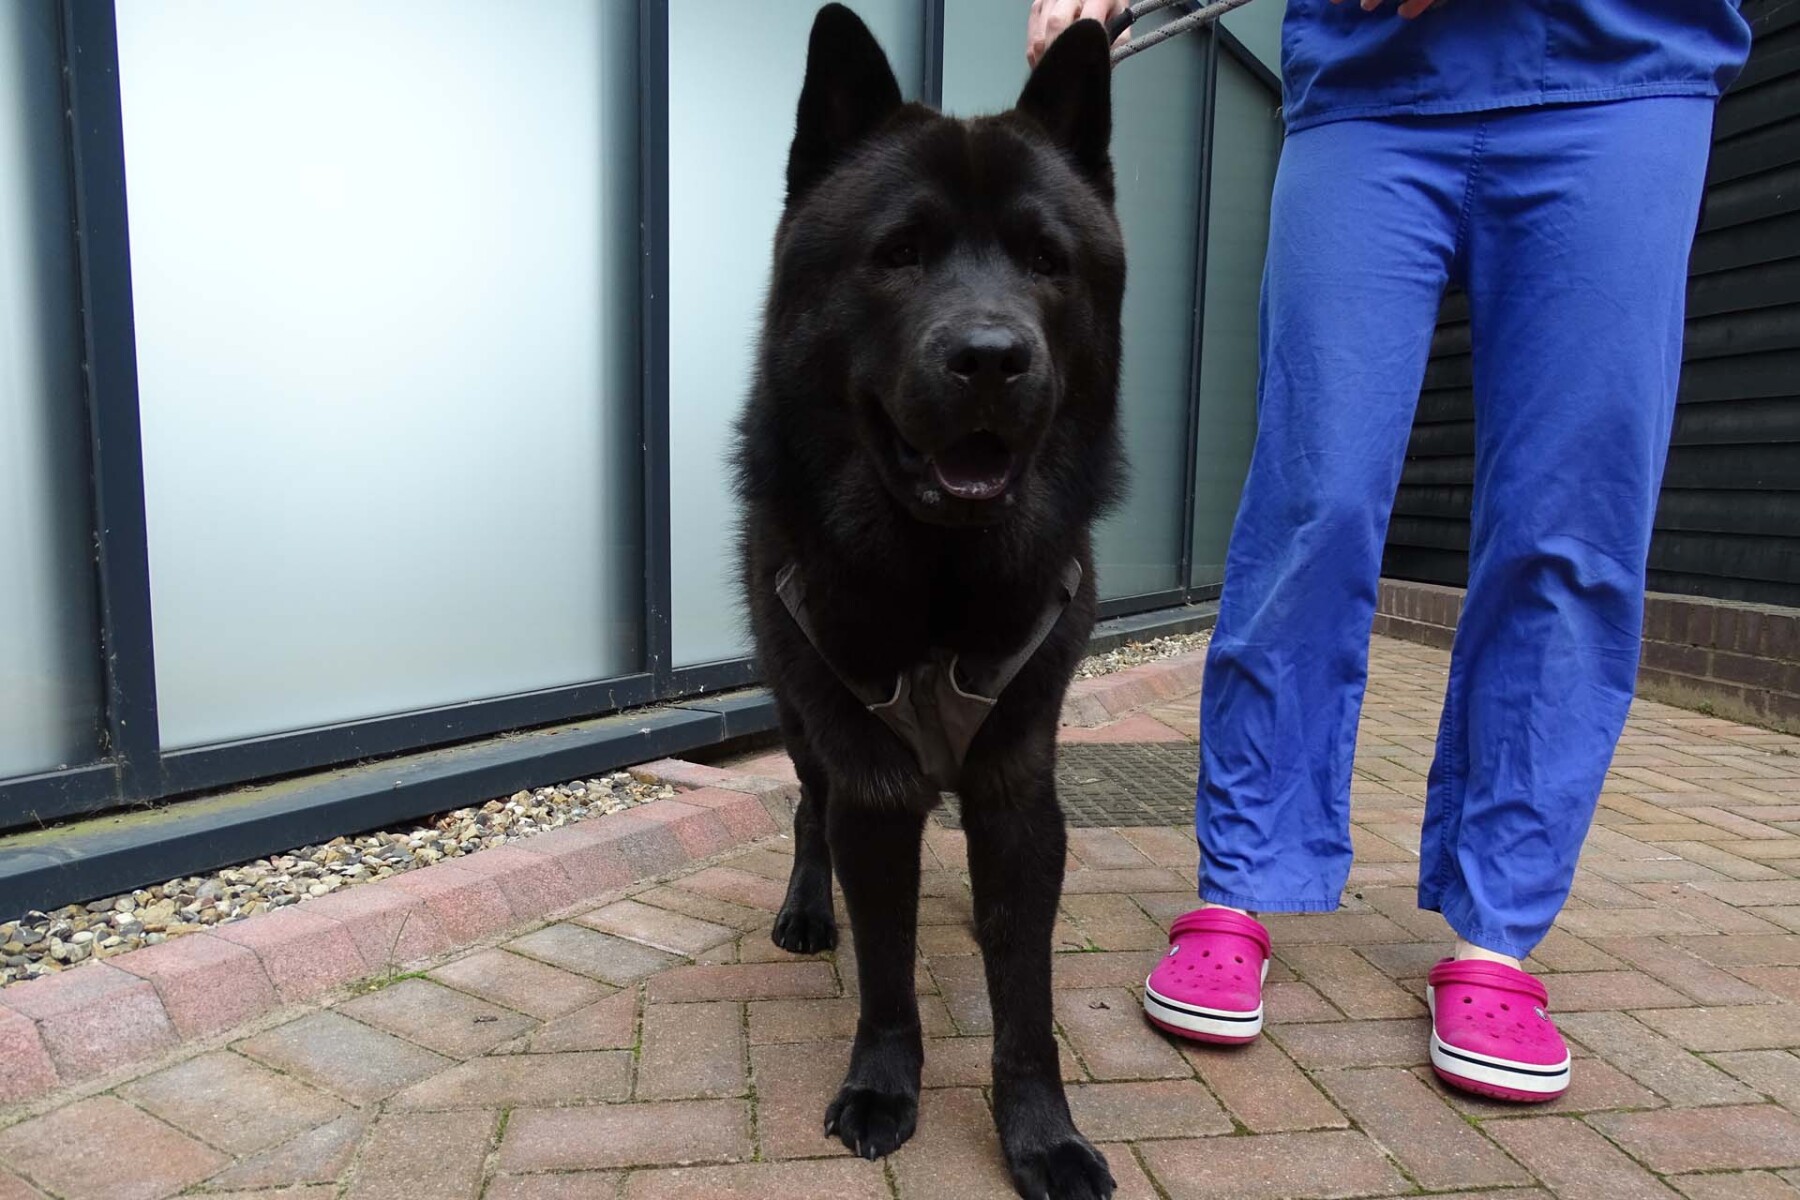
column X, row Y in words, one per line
column 1136, row 654
column 44, row 943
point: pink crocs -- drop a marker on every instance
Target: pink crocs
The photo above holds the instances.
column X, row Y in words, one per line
column 1209, row 986
column 1490, row 1034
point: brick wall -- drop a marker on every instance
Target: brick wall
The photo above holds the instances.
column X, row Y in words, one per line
column 1418, row 612
column 1736, row 660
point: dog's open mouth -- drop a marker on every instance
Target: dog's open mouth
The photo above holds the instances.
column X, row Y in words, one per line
column 977, row 466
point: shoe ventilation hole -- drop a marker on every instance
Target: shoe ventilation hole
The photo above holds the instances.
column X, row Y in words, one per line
column 1206, row 954
column 1468, row 999
column 1506, row 1008
column 1237, row 958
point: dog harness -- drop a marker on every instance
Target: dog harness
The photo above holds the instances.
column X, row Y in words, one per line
column 937, row 706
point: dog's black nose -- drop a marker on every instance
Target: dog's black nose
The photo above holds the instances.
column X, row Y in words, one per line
column 989, row 354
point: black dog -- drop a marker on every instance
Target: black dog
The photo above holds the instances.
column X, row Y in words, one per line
column 931, row 435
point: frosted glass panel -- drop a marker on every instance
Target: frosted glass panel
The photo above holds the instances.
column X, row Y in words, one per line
column 1258, row 26
column 384, row 264
column 1157, row 102
column 984, row 55
column 1246, row 145
column 49, row 653
column 734, row 80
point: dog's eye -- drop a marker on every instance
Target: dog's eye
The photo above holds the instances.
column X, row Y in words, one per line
column 903, row 252
column 1045, row 260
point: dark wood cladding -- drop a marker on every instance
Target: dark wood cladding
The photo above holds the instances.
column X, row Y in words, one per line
column 1728, row 524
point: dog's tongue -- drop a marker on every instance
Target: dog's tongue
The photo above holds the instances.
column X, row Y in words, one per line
column 976, row 467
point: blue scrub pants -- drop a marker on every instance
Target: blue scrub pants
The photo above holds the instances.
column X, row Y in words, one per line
column 1570, row 229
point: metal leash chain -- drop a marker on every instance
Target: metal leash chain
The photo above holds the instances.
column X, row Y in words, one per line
column 1204, row 15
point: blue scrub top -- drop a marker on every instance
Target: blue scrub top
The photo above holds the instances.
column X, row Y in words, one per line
column 1474, row 55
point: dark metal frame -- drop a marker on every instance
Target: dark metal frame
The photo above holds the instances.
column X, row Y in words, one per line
column 103, row 248
column 1231, row 44
column 931, row 90
column 653, row 284
column 133, row 769
column 223, row 764
column 1197, row 331
column 1218, row 41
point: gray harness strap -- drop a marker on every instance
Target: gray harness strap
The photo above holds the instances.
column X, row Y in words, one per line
column 927, row 708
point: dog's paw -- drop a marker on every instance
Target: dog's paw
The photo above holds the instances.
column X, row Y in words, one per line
column 1065, row 1170
column 872, row 1124
column 803, row 930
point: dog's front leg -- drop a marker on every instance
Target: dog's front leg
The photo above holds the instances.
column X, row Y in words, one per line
column 805, row 924
column 876, row 854
column 1016, row 849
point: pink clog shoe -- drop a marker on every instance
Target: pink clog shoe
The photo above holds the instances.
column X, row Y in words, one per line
column 1209, row 986
column 1490, row 1033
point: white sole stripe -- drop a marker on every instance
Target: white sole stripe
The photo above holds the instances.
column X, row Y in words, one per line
column 1445, row 1060
column 1230, row 1025
column 1216, row 1014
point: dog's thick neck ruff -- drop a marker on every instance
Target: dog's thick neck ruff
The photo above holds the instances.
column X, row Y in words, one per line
column 937, row 706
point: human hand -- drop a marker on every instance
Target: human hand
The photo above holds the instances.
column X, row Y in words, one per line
column 1408, row 8
column 1050, row 17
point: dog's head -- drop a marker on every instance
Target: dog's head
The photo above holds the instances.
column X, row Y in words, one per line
column 948, row 290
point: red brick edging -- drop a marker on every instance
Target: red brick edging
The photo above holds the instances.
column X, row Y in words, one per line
column 100, row 1017
column 1105, row 698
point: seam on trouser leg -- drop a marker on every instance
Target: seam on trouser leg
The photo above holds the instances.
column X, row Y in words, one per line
column 1453, row 780
column 1450, row 751
column 1468, row 202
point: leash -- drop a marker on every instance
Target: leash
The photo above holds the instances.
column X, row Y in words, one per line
column 1204, row 15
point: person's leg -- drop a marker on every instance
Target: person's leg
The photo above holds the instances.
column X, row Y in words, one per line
column 1362, row 233
column 1577, row 246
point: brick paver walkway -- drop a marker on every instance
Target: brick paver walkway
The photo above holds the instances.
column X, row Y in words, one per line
column 587, row 1059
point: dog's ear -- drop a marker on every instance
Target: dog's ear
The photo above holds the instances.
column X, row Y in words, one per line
column 849, row 90
column 1070, row 95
